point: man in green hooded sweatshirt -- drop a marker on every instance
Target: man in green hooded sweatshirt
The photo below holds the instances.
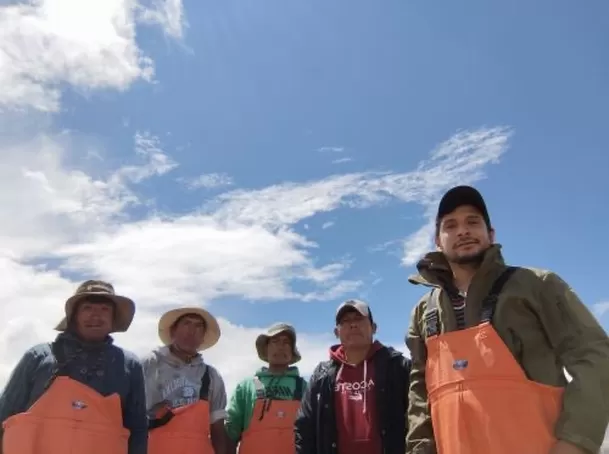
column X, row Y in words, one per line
column 262, row 410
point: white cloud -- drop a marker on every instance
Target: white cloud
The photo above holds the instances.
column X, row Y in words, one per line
column 327, row 225
column 331, row 149
column 460, row 159
column 241, row 245
column 600, row 309
column 67, row 217
column 209, row 181
column 169, row 14
column 342, row 160
column 50, row 203
column 86, row 44
column 417, row 244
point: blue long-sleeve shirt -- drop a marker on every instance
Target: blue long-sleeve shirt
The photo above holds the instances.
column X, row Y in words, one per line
column 105, row 368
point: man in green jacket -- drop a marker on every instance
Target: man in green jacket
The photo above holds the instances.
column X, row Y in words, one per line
column 262, row 410
column 489, row 345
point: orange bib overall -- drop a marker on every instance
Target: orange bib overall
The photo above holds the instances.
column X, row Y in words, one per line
column 69, row 417
column 183, row 430
column 271, row 430
column 481, row 400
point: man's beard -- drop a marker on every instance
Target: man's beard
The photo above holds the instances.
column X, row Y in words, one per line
column 471, row 260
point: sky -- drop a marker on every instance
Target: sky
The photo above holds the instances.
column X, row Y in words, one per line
column 268, row 160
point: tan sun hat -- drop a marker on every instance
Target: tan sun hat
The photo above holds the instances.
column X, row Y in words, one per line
column 276, row 329
column 212, row 329
column 124, row 307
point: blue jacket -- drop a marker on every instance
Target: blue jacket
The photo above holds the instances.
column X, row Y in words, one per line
column 105, row 368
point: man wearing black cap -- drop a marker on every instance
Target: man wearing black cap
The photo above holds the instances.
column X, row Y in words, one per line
column 489, row 345
column 356, row 402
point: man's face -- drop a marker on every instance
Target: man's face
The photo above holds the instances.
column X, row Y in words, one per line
column 279, row 350
column 463, row 236
column 94, row 319
column 188, row 333
column 354, row 329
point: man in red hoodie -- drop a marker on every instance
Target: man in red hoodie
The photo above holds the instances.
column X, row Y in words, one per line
column 356, row 402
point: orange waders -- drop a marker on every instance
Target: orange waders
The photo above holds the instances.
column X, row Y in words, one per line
column 481, row 400
column 183, row 430
column 69, row 417
column 271, row 430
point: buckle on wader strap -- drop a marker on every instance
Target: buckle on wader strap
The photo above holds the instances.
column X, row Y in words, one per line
column 163, row 413
column 267, row 396
column 489, row 303
column 60, row 365
column 432, row 321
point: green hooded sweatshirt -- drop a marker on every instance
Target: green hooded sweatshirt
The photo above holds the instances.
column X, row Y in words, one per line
column 241, row 406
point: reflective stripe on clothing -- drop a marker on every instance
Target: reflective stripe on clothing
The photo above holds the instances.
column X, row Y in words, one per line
column 271, row 429
column 481, row 400
column 68, row 417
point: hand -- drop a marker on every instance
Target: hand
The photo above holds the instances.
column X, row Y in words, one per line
column 563, row 447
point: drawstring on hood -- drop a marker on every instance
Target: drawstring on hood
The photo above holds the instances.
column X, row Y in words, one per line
column 337, row 353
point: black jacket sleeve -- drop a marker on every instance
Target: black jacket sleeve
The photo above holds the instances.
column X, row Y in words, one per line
column 305, row 426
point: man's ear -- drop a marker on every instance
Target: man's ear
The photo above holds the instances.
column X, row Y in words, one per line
column 491, row 235
column 374, row 328
column 437, row 241
column 336, row 332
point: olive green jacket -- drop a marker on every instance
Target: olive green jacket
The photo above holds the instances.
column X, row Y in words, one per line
column 545, row 326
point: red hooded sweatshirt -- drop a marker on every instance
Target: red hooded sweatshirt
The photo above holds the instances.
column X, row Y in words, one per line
column 355, row 402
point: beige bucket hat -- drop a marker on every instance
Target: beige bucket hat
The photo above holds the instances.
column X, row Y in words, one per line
column 124, row 307
column 276, row 329
column 212, row 329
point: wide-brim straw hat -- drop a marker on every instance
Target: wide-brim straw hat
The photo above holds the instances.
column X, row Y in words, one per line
column 279, row 328
column 124, row 309
column 212, row 329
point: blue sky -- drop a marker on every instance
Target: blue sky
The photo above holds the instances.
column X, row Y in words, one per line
column 284, row 154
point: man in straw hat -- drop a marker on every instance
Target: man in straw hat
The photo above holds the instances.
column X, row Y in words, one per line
column 263, row 408
column 186, row 397
column 79, row 393
column 356, row 402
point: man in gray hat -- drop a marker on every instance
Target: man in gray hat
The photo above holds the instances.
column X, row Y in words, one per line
column 79, row 393
column 263, row 408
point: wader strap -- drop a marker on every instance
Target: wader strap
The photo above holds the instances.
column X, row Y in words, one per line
column 60, row 364
column 205, row 384
column 432, row 321
column 160, row 421
column 299, row 388
column 490, row 302
column 260, row 389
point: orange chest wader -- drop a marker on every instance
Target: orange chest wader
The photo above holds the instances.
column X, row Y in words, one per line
column 481, row 399
column 271, row 429
column 183, row 430
column 69, row 417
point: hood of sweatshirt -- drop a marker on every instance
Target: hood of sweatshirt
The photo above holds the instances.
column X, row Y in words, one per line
column 337, row 353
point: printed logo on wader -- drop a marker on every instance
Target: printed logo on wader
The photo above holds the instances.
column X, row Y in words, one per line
column 281, row 414
column 79, row 405
column 460, row 364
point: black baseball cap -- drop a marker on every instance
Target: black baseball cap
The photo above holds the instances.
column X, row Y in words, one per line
column 353, row 306
column 459, row 196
